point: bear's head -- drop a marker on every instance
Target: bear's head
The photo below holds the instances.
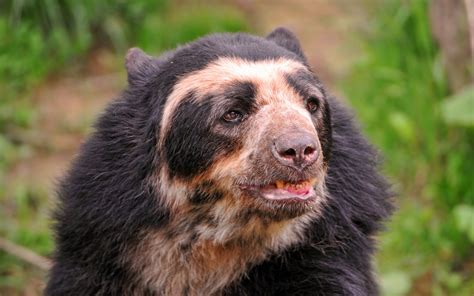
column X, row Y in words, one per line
column 244, row 129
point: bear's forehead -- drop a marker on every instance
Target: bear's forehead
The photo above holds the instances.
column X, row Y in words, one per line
column 225, row 71
column 270, row 78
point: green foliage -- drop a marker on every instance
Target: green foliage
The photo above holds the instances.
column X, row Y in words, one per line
column 184, row 25
column 398, row 89
column 41, row 36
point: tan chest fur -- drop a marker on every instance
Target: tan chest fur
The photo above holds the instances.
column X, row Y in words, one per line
column 188, row 264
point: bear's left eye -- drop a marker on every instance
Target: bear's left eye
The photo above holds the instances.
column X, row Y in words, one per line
column 233, row 116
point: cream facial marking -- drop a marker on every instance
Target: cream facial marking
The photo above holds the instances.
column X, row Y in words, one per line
column 267, row 75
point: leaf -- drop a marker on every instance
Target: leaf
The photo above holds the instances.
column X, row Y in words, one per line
column 402, row 124
column 464, row 216
column 395, row 283
column 459, row 109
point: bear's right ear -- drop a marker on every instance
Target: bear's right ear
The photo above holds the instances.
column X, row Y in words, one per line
column 286, row 39
column 139, row 65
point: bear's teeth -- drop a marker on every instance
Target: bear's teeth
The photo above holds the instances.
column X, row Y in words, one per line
column 285, row 185
column 280, row 184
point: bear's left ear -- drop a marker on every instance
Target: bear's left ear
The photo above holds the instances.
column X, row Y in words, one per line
column 286, row 39
column 139, row 65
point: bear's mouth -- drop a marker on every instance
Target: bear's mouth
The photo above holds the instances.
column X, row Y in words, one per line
column 285, row 191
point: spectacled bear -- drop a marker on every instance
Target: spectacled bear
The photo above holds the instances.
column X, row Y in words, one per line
column 224, row 168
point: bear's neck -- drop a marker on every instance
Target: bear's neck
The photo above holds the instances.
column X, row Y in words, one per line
column 199, row 257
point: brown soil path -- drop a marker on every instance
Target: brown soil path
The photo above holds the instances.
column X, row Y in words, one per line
column 326, row 29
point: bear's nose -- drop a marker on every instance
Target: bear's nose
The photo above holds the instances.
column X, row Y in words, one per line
column 297, row 150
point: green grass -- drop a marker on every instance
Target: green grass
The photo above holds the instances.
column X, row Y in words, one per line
column 398, row 89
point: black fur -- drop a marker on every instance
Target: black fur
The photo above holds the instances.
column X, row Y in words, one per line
column 189, row 147
column 107, row 202
column 286, row 39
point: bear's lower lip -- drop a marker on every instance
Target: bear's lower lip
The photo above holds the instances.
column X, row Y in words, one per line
column 284, row 195
column 282, row 191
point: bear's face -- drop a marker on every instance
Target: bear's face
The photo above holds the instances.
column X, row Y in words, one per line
column 242, row 135
column 248, row 131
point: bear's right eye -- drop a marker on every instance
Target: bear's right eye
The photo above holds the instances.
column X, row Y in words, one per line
column 233, row 116
column 312, row 105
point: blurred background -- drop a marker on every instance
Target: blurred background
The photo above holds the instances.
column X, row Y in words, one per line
column 405, row 66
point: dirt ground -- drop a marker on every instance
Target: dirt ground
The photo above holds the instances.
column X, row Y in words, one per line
column 65, row 107
column 325, row 28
